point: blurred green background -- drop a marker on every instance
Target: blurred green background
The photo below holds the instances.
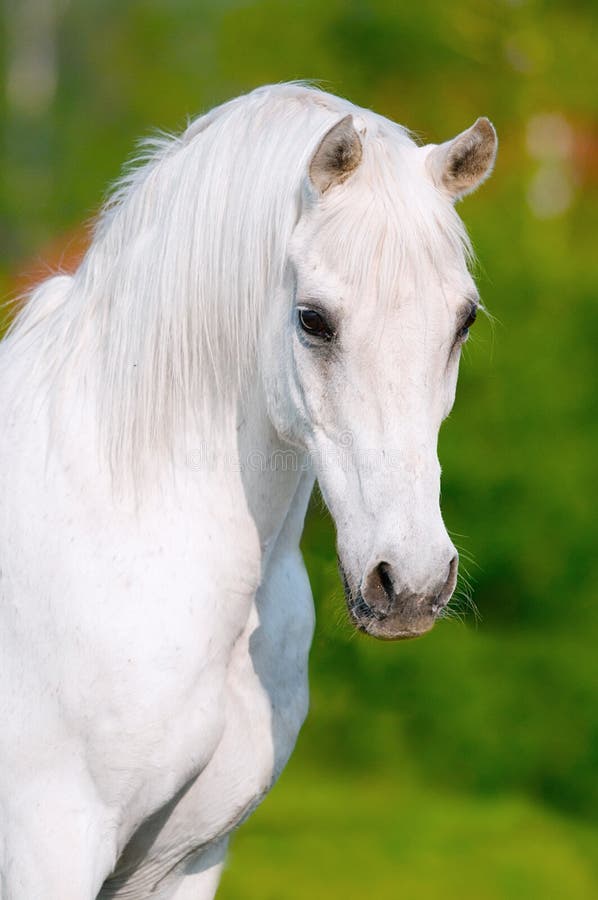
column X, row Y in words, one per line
column 463, row 765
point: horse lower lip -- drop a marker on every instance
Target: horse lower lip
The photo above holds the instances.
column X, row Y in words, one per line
column 388, row 630
column 385, row 625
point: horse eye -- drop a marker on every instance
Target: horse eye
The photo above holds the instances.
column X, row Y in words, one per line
column 314, row 323
column 471, row 317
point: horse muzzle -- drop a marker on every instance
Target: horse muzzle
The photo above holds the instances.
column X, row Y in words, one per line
column 384, row 609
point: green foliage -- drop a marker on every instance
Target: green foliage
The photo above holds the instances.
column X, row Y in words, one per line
column 389, row 838
column 464, row 764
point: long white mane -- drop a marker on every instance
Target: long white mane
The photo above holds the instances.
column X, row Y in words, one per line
column 160, row 322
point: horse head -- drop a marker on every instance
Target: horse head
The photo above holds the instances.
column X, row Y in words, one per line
column 381, row 304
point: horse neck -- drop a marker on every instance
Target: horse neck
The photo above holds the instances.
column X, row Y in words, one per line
column 276, row 477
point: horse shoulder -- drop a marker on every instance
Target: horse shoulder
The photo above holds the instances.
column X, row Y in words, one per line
column 139, row 613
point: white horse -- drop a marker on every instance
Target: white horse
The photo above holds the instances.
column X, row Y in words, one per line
column 278, row 294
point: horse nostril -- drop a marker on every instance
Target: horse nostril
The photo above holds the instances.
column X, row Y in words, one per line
column 377, row 590
column 449, row 585
column 451, row 581
column 383, row 571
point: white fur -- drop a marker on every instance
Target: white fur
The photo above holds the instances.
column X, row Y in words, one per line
column 155, row 615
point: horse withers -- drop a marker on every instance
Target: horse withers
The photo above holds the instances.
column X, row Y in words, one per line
column 278, row 294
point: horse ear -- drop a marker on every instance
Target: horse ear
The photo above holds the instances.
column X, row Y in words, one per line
column 338, row 154
column 461, row 165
